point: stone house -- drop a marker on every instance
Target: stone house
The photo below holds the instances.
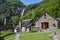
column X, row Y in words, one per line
column 26, row 25
column 46, row 21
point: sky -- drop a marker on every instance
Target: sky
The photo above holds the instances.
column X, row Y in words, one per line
column 27, row 2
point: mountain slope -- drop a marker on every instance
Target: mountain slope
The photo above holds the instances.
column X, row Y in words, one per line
column 51, row 6
column 10, row 8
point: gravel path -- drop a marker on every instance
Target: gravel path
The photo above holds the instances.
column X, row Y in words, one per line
column 17, row 37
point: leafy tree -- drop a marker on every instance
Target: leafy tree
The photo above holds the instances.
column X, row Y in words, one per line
column 15, row 19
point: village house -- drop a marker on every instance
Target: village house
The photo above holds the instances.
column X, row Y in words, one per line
column 27, row 24
column 44, row 22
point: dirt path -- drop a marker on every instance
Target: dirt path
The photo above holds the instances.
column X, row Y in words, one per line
column 17, row 36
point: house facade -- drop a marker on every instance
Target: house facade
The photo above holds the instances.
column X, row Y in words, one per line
column 26, row 25
column 45, row 22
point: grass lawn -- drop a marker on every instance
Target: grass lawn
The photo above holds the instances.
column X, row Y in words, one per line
column 2, row 33
column 10, row 37
column 35, row 36
column 58, row 30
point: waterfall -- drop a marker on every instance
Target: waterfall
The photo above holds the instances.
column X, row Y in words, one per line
column 20, row 22
column 5, row 21
column 21, row 15
column 23, row 12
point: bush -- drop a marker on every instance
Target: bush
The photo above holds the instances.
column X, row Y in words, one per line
column 5, row 32
column 33, row 31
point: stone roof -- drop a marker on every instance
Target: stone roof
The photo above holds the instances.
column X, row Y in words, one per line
column 58, row 19
column 26, row 23
column 45, row 12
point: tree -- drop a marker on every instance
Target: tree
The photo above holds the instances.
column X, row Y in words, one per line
column 15, row 19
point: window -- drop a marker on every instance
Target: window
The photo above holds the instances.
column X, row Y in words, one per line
column 45, row 16
column 54, row 25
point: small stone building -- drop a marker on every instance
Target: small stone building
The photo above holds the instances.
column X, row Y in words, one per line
column 26, row 25
column 45, row 22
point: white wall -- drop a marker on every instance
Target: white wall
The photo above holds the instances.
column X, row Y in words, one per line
column 27, row 30
column 23, row 29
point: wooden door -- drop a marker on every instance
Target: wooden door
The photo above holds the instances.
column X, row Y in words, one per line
column 45, row 25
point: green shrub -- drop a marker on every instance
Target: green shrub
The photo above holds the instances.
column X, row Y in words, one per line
column 5, row 32
column 33, row 31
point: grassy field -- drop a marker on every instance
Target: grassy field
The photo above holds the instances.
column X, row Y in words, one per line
column 35, row 36
column 58, row 30
column 2, row 33
column 8, row 37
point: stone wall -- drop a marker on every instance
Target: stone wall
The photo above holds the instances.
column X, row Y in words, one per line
column 55, row 36
column 35, row 28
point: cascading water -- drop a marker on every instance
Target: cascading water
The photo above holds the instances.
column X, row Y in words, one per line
column 23, row 12
column 5, row 21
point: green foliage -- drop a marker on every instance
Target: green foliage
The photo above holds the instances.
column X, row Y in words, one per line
column 33, row 31
column 2, row 17
column 10, row 8
column 15, row 19
column 51, row 6
column 33, row 6
column 5, row 32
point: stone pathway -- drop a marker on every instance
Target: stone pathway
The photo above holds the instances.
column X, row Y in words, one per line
column 55, row 38
column 17, row 36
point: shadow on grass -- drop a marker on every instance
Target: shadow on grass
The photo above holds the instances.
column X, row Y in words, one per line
column 1, row 38
column 7, row 35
